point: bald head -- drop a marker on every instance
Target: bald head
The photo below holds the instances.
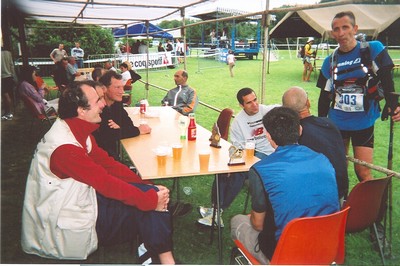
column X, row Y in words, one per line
column 295, row 98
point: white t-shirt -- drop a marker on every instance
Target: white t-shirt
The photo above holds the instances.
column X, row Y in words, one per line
column 250, row 128
column 126, row 76
column 179, row 47
column 230, row 59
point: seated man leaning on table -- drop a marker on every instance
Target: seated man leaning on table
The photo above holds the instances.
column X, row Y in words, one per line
column 183, row 98
column 294, row 181
column 115, row 122
column 246, row 127
column 72, row 72
column 77, row 197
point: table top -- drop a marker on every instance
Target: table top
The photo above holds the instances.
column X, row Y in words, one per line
column 165, row 132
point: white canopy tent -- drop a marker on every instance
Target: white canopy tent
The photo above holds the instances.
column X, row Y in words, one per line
column 106, row 13
column 110, row 13
column 372, row 20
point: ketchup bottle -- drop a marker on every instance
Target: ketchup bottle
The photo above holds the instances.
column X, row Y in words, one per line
column 192, row 128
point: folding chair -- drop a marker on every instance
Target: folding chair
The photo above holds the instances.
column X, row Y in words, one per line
column 307, row 240
column 127, row 97
column 365, row 200
column 224, row 122
column 39, row 113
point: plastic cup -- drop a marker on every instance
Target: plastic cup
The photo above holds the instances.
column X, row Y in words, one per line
column 204, row 158
column 161, row 154
column 177, row 151
column 249, row 149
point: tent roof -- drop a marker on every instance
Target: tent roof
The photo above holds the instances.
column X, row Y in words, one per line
column 371, row 20
column 103, row 12
column 209, row 12
column 140, row 30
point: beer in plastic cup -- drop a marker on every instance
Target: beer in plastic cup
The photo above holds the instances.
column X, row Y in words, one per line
column 161, row 154
column 204, row 158
column 177, row 151
column 249, row 149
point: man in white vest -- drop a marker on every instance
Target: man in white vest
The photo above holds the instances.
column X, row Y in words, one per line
column 78, row 197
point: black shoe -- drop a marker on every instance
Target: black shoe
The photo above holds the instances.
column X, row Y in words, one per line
column 180, row 209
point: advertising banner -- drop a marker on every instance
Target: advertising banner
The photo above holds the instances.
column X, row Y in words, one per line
column 156, row 60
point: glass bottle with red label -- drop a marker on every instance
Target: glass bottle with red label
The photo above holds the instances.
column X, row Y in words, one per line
column 192, row 127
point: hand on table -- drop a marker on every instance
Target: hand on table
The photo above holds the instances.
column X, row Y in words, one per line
column 144, row 129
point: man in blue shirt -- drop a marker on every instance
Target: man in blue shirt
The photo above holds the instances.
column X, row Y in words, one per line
column 292, row 182
column 347, row 81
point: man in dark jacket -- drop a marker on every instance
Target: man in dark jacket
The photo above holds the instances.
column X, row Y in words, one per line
column 115, row 122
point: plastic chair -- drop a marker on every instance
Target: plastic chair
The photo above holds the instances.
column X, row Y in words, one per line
column 365, row 200
column 38, row 113
column 307, row 240
column 224, row 122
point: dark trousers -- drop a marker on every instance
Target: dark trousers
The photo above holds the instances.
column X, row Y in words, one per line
column 230, row 186
column 119, row 223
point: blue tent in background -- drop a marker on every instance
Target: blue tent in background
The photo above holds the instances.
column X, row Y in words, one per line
column 141, row 30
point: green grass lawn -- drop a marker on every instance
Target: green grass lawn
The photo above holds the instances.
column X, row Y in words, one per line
column 214, row 87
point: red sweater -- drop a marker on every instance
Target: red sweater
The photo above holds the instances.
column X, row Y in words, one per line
column 95, row 168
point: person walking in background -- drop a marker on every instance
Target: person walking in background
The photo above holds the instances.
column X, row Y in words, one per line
column 307, row 64
column 321, row 135
column 179, row 50
column 58, row 53
column 284, row 186
column 230, row 59
column 78, row 53
column 183, row 98
column 8, row 79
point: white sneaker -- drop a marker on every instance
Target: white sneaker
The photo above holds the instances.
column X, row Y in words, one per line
column 144, row 257
column 8, row 116
column 207, row 220
column 204, row 211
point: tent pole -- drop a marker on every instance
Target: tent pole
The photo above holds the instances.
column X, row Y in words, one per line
column 127, row 42
column 147, row 59
column 264, row 65
column 183, row 31
column 288, row 46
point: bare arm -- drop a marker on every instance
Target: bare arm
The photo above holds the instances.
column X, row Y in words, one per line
column 257, row 220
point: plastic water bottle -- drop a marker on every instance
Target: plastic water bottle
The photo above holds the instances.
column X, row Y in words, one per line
column 183, row 123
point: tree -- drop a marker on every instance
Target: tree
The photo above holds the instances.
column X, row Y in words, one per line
column 44, row 36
